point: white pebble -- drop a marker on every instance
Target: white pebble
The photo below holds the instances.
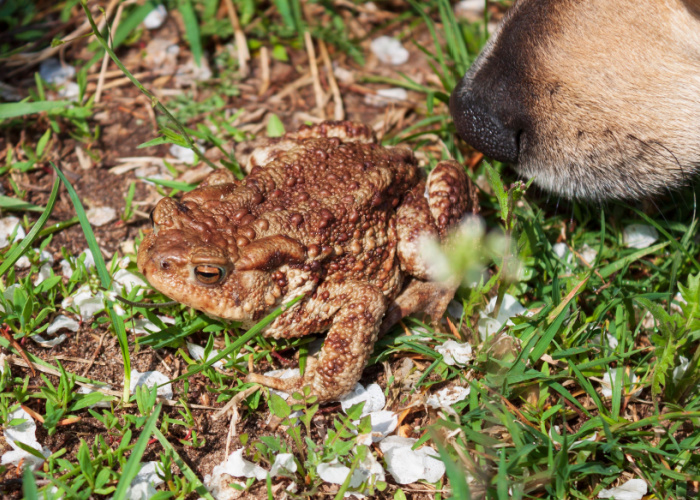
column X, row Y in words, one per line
column 25, row 433
column 60, row 322
column 185, row 155
column 639, row 236
column 197, row 353
column 150, row 379
column 455, row 353
column 126, row 280
column 52, row 71
column 448, row 396
column 156, row 17
column 384, row 97
column 510, row 307
column 99, row 216
column 634, row 489
column 389, row 50
column 7, row 227
column 372, row 396
column 408, row 466
column 143, row 486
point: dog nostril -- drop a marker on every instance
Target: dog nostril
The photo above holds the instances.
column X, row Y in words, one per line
column 479, row 123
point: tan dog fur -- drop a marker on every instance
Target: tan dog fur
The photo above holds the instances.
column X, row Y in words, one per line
column 605, row 94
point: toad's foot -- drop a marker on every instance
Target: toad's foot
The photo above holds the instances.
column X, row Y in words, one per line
column 348, row 345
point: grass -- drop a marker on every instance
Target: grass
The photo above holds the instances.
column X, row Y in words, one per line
column 536, row 422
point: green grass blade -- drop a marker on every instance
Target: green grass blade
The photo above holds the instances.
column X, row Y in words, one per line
column 29, row 485
column 458, row 482
column 131, row 22
column 184, row 468
column 240, row 341
column 9, row 203
column 133, row 464
column 17, row 252
column 105, row 278
column 192, row 30
column 625, row 261
column 14, row 109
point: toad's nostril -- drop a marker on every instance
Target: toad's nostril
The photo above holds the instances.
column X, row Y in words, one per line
column 164, row 265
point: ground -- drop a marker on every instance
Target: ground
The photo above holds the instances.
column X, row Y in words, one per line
column 535, row 386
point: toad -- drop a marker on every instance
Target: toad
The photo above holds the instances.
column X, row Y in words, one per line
column 325, row 213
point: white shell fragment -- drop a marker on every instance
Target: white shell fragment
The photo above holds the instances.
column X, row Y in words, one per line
column 87, row 303
column 24, row 433
column 222, row 485
column 60, row 322
column 562, row 251
column 283, row 462
column 185, row 155
column 99, row 216
column 88, row 390
column 455, row 353
column 197, row 353
column 372, row 396
column 53, row 71
column 189, row 73
column 150, row 379
column 156, row 17
column 634, row 489
column 509, row 309
column 70, row 91
column 389, row 50
column 384, row 97
column 408, row 466
column 44, row 273
column 125, row 280
column 144, row 326
column 600, row 338
column 383, row 423
column 681, row 368
column 368, row 471
column 238, row 466
column 66, row 268
column 639, row 236
column 144, row 484
column 448, row 396
column 588, row 254
column 608, row 382
column 7, row 227
column 469, row 9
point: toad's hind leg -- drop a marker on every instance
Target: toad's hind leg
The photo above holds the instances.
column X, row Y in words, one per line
column 348, row 345
column 430, row 210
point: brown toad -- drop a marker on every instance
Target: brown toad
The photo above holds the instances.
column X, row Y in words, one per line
column 326, row 213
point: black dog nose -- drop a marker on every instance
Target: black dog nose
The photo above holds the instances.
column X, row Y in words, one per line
column 483, row 121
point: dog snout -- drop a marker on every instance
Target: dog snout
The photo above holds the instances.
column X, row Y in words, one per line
column 483, row 121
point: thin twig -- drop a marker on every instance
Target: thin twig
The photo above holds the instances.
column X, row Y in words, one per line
column 105, row 58
column 94, row 356
column 318, row 90
column 264, row 70
column 338, row 109
column 239, row 36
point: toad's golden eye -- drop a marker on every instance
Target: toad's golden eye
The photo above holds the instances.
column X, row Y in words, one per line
column 209, row 275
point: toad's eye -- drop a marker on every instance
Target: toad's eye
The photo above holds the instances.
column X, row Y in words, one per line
column 209, row 275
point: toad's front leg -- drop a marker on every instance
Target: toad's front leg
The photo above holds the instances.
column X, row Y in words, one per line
column 348, row 345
